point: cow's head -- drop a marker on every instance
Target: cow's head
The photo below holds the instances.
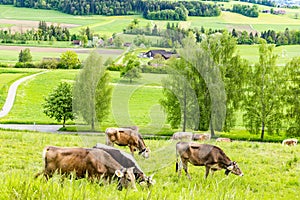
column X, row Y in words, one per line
column 126, row 178
column 145, row 152
column 234, row 168
column 147, row 181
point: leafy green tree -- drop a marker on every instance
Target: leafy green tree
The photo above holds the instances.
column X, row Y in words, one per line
column 263, row 103
column 25, row 55
column 118, row 41
column 69, row 60
column 180, row 101
column 91, row 90
column 132, row 68
column 292, row 95
column 58, row 104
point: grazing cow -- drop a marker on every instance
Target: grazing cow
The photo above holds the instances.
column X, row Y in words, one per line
column 128, row 161
column 127, row 137
column 182, row 136
column 212, row 157
column 201, row 137
column 95, row 163
column 223, row 140
column 290, row 142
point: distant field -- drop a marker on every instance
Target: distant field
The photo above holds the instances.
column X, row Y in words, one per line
column 10, row 54
column 115, row 24
column 285, row 53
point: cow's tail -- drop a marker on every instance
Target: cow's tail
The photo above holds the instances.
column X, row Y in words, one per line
column 45, row 162
column 177, row 160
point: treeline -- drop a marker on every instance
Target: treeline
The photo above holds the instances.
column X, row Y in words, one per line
column 120, row 7
column 249, row 11
column 285, row 37
column 180, row 13
column 270, row 3
column 43, row 33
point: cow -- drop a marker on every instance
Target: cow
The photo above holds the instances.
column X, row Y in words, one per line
column 223, row 140
column 210, row 156
column 182, row 136
column 290, row 142
column 90, row 162
column 201, row 137
column 127, row 137
column 128, row 161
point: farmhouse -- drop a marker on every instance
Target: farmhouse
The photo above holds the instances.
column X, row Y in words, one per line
column 165, row 54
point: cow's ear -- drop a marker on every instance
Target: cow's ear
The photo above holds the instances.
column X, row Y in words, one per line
column 230, row 167
column 119, row 173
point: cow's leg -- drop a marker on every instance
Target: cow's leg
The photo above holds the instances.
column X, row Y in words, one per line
column 131, row 147
column 185, row 167
column 207, row 171
column 179, row 167
column 108, row 142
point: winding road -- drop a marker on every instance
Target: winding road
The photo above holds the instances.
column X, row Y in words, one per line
column 9, row 104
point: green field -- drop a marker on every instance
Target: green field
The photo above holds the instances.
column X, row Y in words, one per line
column 8, row 76
column 141, row 97
column 271, row 171
column 115, row 24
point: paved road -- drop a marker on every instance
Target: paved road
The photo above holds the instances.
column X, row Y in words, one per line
column 12, row 94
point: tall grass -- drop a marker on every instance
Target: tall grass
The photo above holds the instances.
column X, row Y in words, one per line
column 272, row 171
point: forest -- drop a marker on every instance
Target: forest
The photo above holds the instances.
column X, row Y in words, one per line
column 120, row 7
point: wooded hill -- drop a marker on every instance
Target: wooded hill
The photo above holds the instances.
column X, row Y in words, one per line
column 150, row 9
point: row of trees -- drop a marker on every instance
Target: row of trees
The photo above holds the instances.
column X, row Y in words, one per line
column 118, row 7
column 206, row 88
column 211, row 82
column 180, row 13
column 43, row 33
column 262, row 2
column 249, row 11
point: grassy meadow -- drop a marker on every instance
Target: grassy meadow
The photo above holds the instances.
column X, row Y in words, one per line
column 271, row 171
column 140, row 99
column 8, row 76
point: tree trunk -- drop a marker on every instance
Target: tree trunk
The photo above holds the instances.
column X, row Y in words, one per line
column 212, row 131
column 184, row 111
column 262, row 130
column 64, row 122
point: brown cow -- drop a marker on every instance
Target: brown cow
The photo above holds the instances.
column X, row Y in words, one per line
column 223, row 140
column 210, row 156
column 201, row 137
column 95, row 163
column 290, row 142
column 182, row 136
column 127, row 137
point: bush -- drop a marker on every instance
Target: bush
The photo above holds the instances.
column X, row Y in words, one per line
column 25, row 65
column 154, row 70
column 48, row 64
column 114, row 67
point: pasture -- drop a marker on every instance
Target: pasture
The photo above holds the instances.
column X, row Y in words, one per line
column 108, row 25
column 138, row 100
column 272, row 171
column 8, row 76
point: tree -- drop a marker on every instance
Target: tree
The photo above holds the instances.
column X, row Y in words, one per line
column 118, row 41
column 58, row 103
column 292, row 95
column 180, row 100
column 263, row 102
column 91, row 90
column 132, row 68
column 69, row 60
column 25, row 55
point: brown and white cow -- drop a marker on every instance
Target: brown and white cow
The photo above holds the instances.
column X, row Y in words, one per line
column 290, row 142
column 182, row 136
column 94, row 163
column 127, row 137
column 210, row 156
column 202, row 137
column 223, row 140
column 128, row 161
